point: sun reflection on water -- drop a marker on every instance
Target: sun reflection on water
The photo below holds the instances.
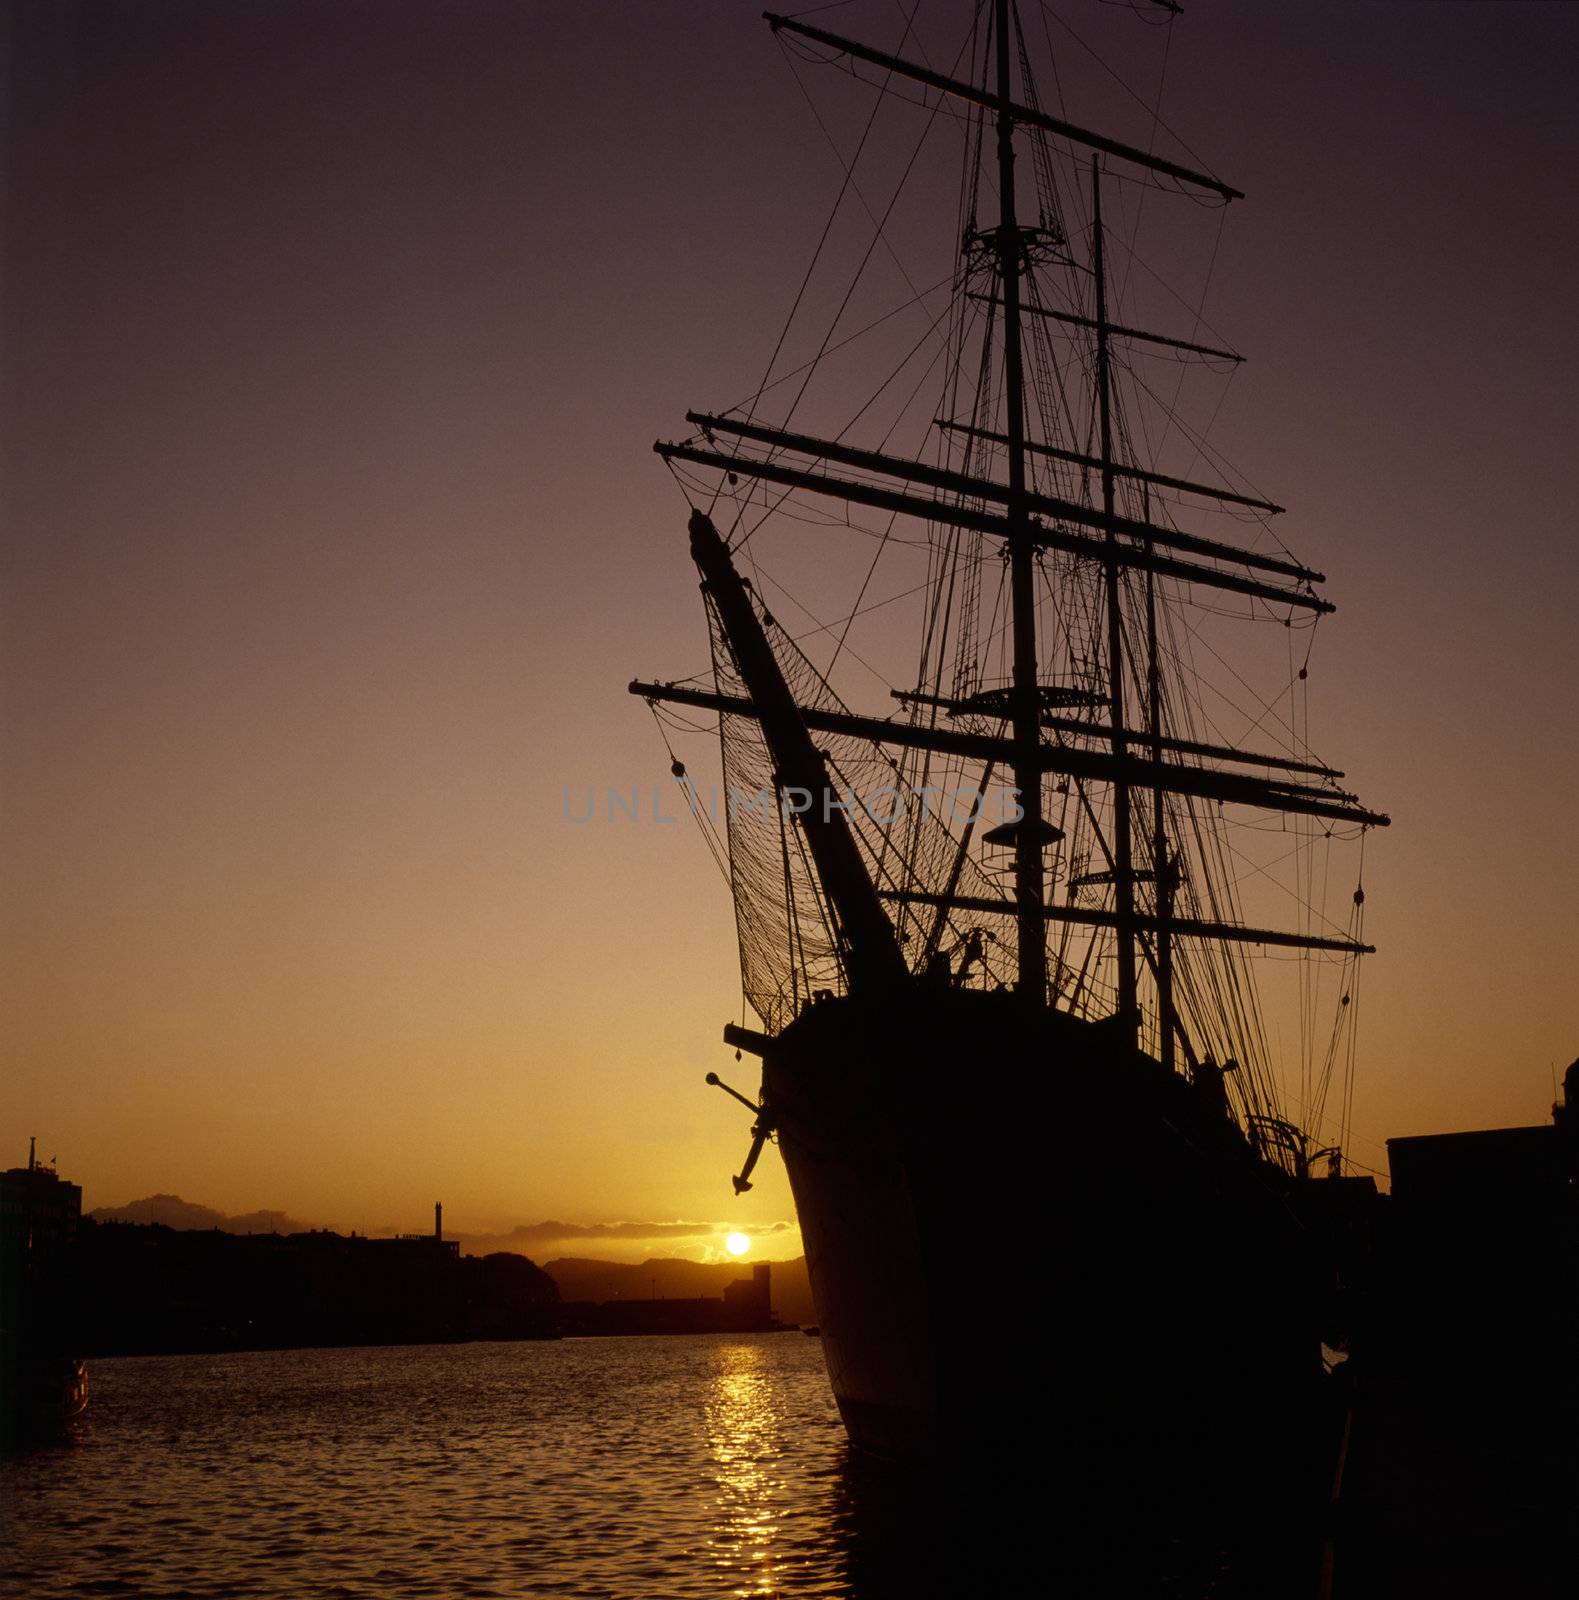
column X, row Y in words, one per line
column 744, row 1433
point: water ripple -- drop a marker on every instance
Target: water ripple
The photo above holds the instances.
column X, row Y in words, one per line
column 665, row 1467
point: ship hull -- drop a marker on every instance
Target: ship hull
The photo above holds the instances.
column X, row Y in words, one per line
column 1015, row 1223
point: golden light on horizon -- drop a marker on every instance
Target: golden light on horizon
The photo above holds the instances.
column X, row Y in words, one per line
column 737, row 1244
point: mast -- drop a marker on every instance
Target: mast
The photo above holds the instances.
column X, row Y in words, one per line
column 1123, row 850
column 1031, row 928
column 1130, row 754
column 1162, row 864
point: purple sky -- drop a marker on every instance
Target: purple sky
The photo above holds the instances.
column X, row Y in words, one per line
column 335, row 337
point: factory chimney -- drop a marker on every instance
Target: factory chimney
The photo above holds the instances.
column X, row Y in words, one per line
column 438, row 1221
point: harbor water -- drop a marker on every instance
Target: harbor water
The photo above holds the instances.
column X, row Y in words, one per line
column 673, row 1467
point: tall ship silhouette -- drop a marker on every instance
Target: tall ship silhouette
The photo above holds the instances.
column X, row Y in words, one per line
column 1005, row 932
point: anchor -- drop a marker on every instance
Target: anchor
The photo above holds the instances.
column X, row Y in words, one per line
column 761, row 1132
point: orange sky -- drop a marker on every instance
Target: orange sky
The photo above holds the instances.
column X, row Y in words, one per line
column 335, row 340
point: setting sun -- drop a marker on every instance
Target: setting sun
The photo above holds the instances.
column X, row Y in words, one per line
column 737, row 1244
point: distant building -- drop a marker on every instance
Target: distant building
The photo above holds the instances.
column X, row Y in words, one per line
column 747, row 1307
column 428, row 1241
column 42, row 1389
column 39, row 1210
column 1484, row 1241
column 752, row 1298
column 1496, row 1168
column 1469, row 1391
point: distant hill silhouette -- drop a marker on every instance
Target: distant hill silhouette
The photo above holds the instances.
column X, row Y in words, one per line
column 675, row 1279
column 578, row 1278
column 532, row 1239
column 171, row 1211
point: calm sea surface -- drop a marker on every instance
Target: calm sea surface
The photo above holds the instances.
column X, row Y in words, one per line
column 650, row 1467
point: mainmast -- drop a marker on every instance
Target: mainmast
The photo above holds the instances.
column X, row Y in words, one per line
column 1031, row 927
column 1123, row 848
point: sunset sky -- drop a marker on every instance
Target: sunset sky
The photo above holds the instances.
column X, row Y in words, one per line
column 336, row 334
